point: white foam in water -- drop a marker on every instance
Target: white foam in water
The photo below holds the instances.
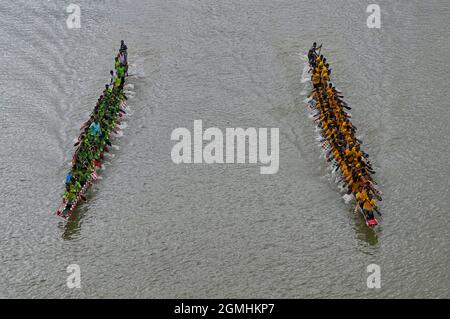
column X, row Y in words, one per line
column 119, row 134
column 122, row 126
column 305, row 79
column 347, row 198
column 306, row 88
column 305, row 69
column 116, row 147
column 137, row 68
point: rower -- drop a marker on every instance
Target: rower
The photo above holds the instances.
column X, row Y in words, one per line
column 94, row 128
column 315, row 78
column 368, row 207
column 68, row 180
column 106, row 90
column 116, row 63
column 112, row 78
column 121, row 73
column 117, row 82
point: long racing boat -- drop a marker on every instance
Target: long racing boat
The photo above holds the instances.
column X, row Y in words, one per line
column 337, row 138
column 95, row 137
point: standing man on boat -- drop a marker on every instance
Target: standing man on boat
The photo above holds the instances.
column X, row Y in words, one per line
column 123, row 56
column 123, row 49
column 312, row 53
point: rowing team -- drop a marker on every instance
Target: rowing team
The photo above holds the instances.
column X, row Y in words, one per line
column 338, row 132
column 94, row 138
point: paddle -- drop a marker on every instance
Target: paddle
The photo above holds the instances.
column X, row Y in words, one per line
column 379, row 212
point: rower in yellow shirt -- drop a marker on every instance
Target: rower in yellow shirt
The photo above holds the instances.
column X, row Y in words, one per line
column 324, row 74
column 315, row 78
column 369, row 206
column 361, row 196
